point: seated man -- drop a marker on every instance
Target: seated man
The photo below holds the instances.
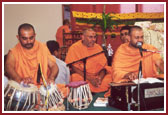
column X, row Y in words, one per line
column 124, row 36
column 96, row 74
column 23, row 60
column 126, row 60
column 64, row 73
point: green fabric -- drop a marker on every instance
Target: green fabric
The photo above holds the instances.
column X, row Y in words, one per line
column 91, row 107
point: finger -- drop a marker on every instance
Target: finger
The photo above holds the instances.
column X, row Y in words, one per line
column 131, row 77
column 99, row 82
column 28, row 80
column 41, row 82
column 24, row 81
column 50, row 82
column 134, row 76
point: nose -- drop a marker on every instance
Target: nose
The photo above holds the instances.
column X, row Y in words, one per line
column 94, row 39
column 140, row 39
column 28, row 40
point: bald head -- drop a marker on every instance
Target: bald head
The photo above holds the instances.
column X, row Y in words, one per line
column 25, row 26
column 89, row 37
column 136, row 35
column 138, row 28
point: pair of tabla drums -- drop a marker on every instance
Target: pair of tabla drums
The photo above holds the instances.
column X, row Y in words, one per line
column 19, row 97
column 24, row 98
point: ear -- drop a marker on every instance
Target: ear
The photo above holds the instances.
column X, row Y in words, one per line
column 17, row 37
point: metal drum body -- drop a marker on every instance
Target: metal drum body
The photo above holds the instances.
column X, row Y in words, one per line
column 80, row 95
column 54, row 99
column 20, row 98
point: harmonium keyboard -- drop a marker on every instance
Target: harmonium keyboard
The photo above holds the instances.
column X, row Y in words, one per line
column 124, row 96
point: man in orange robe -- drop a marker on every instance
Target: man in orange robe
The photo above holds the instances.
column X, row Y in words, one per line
column 127, row 58
column 97, row 72
column 59, row 33
column 23, row 60
column 124, row 36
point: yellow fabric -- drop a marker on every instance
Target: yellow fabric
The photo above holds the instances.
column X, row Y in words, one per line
column 27, row 60
column 59, row 34
column 93, row 64
column 127, row 60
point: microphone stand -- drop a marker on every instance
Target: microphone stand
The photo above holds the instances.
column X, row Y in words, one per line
column 139, row 77
column 84, row 62
column 139, row 44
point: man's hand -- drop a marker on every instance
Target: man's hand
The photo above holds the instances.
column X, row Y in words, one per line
column 130, row 76
column 97, row 78
column 95, row 81
column 50, row 81
column 27, row 80
column 101, row 74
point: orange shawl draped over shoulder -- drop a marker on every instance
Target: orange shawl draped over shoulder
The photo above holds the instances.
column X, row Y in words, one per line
column 127, row 60
column 59, row 34
column 27, row 60
column 78, row 51
column 93, row 64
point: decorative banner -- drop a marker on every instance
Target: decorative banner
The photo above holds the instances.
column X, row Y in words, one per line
column 124, row 16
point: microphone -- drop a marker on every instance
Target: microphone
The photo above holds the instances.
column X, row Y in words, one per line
column 139, row 45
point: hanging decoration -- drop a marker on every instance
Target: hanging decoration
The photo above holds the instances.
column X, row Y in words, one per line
column 115, row 16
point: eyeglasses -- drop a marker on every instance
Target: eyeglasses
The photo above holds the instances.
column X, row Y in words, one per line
column 122, row 34
column 90, row 37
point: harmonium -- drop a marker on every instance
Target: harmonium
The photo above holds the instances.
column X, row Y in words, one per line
column 125, row 96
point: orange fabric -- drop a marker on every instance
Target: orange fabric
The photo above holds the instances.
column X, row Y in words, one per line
column 93, row 64
column 63, row 89
column 103, row 87
column 59, row 34
column 27, row 60
column 127, row 60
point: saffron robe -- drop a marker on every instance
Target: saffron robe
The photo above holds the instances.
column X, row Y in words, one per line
column 127, row 60
column 27, row 60
column 59, row 34
column 93, row 64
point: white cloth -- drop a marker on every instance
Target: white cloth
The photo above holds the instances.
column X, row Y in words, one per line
column 63, row 74
column 153, row 34
column 5, row 81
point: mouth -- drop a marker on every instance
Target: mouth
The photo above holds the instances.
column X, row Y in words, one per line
column 91, row 44
column 29, row 46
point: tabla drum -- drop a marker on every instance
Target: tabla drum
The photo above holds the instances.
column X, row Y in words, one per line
column 51, row 97
column 80, row 95
column 20, row 98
